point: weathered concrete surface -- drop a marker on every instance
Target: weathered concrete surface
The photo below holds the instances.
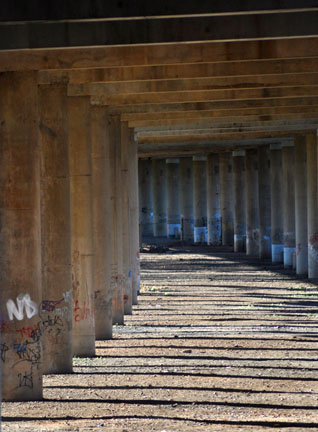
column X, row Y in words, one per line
column 20, row 234
column 56, row 310
column 101, row 225
column 81, row 205
column 230, row 345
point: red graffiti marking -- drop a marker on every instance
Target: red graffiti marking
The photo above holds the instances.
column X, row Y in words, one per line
column 4, row 326
column 28, row 331
column 314, row 239
column 83, row 312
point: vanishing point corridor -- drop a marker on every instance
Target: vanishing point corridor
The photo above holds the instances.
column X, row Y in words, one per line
column 218, row 342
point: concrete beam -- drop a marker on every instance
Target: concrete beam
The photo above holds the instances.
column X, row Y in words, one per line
column 194, row 84
column 187, row 148
column 142, row 55
column 154, row 30
column 201, row 95
column 233, row 135
column 230, row 123
column 14, row 10
column 292, row 113
column 178, row 71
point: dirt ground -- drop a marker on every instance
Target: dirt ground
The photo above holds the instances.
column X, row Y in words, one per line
column 217, row 343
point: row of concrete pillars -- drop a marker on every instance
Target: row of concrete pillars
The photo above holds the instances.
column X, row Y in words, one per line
column 261, row 200
column 69, row 237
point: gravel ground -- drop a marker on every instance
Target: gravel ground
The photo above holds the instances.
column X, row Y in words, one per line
column 218, row 342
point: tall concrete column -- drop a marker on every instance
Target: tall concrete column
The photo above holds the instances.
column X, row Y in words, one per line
column 186, row 198
column 199, row 200
column 277, row 221
column 289, row 203
column 57, row 306
column 312, row 206
column 251, row 202
column 301, row 205
column 213, row 200
column 145, row 197
column 226, row 198
column 264, row 200
column 159, row 197
column 114, row 136
column 126, row 166
column 81, row 226
column 173, row 203
column 239, row 201
column 20, row 240
column 101, row 226
column 134, row 216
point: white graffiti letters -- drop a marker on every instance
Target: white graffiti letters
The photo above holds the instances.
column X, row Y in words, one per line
column 23, row 302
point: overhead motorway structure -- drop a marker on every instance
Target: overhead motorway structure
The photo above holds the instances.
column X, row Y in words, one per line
column 125, row 79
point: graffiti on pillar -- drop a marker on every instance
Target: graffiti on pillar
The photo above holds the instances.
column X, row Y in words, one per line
column 4, row 327
column 26, row 380
column 33, row 332
column 24, row 302
column 277, row 237
column 313, row 246
column 81, row 311
column 298, row 249
column 50, row 305
column 53, row 325
column 3, row 351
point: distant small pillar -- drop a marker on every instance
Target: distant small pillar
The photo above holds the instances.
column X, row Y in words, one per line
column 312, row 206
column 289, row 203
column 200, row 200
column 213, row 200
column 301, row 205
column 252, row 207
column 173, row 204
column 239, row 201
column 226, row 198
column 159, row 197
column 277, row 203
column 117, row 278
column 145, row 197
column 264, row 200
column 186, row 199
column 101, row 227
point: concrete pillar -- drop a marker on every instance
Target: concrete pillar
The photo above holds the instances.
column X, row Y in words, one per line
column 277, row 203
column 213, row 200
column 57, row 306
column 159, row 197
column 20, row 241
column 134, row 221
column 264, row 200
column 117, row 280
column 251, row 202
column 239, row 201
column 126, row 166
column 101, row 226
column 288, row 157
column 134, row 215
column 186, row 198
column 173, row 204
column 301, row 205
column 200, row 200
column 226, row 198
column 145, row 197
column 81, row 226
column 312, row 206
